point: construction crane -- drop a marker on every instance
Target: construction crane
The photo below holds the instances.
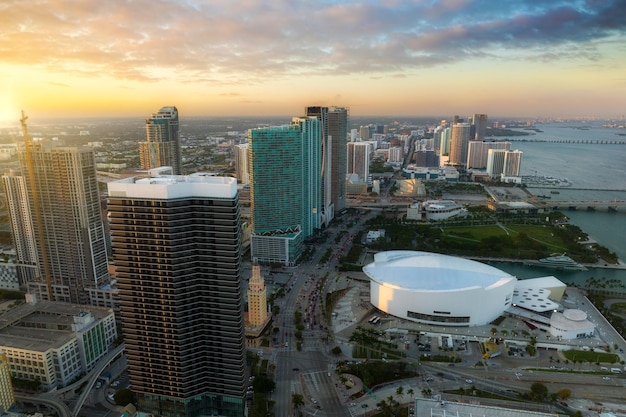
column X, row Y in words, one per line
column 36, row 206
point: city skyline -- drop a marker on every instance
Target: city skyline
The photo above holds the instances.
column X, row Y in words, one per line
column 560, row 59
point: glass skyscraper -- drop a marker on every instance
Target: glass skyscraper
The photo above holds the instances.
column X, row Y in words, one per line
column 177, row 249
column 285, row 188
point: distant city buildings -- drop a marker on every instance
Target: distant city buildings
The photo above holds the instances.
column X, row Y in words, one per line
column 359, row 159
column 446, row 173
column 495, row 162
column 426, row 158
column 56, row 221
column 512, row 163
column 478, row 152
column 55, row 343
column 479, row 123
column 177, row 250
column 162, row 145
column 459, row 142
column 504, row 163
column 242, row 163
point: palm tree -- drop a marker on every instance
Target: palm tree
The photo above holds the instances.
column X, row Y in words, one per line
column 411, row 394
column 297, row 400
column 400, row 392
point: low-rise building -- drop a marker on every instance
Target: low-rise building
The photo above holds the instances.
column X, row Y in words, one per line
column 374, row 235
column 435, row 210
column 54, row 342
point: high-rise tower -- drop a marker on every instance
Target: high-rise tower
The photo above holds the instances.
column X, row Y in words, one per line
column 242, row 163
column 22, row 229
column 63, row 202
column 162, row 145
column 285, row 188
column 177, row 249
column 512, row 163
column 479, row 121
column 477, row 152
column 359, row 159
column 338, row 132
column 334, row 128
column 459, row 143
column 495, row 162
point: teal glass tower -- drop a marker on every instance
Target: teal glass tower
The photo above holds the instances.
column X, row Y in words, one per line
column 285, row 189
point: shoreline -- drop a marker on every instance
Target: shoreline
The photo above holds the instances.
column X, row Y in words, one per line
column 619, row 266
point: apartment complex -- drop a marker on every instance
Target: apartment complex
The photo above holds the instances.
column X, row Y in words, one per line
column 56, row 221
column 285, row 189
column 177, row 250
column 162, row 145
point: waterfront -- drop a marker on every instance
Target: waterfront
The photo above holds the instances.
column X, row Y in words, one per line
column 594, row 166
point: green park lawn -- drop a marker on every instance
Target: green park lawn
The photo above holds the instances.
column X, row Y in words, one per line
column 509, row 241
column 540, row 234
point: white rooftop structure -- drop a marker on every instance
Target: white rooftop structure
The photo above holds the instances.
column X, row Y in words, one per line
column 161, row 185
column 438, row 289
column 415, row 270
column 534, row 299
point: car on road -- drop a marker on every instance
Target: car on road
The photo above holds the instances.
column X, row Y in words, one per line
column 313, row 400
column 98, row 384
column 469, row 381
column 606, row 378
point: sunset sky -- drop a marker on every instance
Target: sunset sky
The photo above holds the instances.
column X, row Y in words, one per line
column 86, row 58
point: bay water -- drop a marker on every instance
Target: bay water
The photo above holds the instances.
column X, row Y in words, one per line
column 596, row 172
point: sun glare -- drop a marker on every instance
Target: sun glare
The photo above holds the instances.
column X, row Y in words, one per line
column 9, row 116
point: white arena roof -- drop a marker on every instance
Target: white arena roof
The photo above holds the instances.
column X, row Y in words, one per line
column 413, row 270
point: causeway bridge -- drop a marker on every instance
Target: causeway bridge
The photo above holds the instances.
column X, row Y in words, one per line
column 562, row 140
column 584, row 205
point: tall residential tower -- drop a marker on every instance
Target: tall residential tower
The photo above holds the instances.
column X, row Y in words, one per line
column 459, row 142
column 334, row 128
column 162, row 145
column 285, row 189
column 177, row 249
column 65, row 219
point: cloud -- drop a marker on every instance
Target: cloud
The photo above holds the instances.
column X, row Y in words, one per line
column 249, row 41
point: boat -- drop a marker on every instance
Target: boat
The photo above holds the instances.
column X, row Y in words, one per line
column 556, row 261
column 555, row 192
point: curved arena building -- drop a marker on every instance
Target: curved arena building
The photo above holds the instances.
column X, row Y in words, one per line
column 438, row 289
